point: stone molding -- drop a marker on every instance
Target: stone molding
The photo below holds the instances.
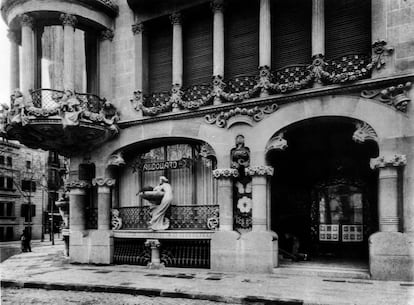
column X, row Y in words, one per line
column 26, row 20
column 116, row 160
column 138, row 28
column 103, row 182
column 363, row 133
column 261, row 170
column 217, row 5
column 176, row 18
column 107, row 34
column 77, row 184
column 225, row 173
column 388, row 161
column 395, row 96
column 68, row 19
column 152, row 243
column 277, row 143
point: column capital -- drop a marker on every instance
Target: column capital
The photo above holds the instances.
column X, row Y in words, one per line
column 26, row 20
column 12, row 35
column 221, row 173
column 152, row 243
column 262, row 170
column 103, row 182
column 116, row 160
column 176, row 18
column 68, row 19
column 388, row 161
column 77, row 184
column 106, row 34
column 138, row 28
column 217, row 5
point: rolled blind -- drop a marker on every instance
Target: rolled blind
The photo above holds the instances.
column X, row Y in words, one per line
column 198, row 46
column 241, row 25
column 347, row 27
column 159, row 54
column 291, row 32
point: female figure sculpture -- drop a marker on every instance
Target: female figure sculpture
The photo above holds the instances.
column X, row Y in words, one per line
column 160, row 197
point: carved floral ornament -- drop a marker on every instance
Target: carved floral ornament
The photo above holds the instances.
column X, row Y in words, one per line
column 138, row 28
column 26, row 20
column 388, row 161
column 344, row 69
column 363, row 133
column 152, row 243
column 68, row 19
column 116, row 160
column 395, row 96
column 262, row 170
column 108, row 182
column 107, row 34
column 277, row 142
column 77, row 184
column 225, row 173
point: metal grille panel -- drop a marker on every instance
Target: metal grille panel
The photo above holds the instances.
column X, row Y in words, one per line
column 131, row 252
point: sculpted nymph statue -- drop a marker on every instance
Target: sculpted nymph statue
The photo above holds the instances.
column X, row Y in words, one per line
column 160, row 197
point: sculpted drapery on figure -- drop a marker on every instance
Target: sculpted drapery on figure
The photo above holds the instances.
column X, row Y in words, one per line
column 160, row 197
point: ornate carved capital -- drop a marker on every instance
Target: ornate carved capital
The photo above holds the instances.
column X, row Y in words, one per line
column 379, row 50
column 262, row 170
column 277, row 143
column 116, row 160
column 395, row 96
column 107, row 34
column 225, row 173
column 256, row 113
column 138, row 100
column 264, row 83
column 152, row 243
column 388, row 161
column 26, row 20
column 12, row 35
column 363, row 133
column 77, row 184
column 176, row 18
column 138, row 28
column 68, row 19
column 108, row 182
column 217, row 5
column 176, row 96
column 317, row 68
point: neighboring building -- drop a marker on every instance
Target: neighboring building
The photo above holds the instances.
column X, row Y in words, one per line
column 22, row 196
column 279, row 124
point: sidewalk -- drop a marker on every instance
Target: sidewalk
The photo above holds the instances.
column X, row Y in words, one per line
column 47, row 268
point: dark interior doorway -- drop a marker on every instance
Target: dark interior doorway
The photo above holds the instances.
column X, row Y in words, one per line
column 324, row 193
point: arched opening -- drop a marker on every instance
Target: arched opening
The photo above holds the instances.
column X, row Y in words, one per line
column 323, row 193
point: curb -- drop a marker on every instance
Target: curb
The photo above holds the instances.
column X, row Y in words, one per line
column 151, row 292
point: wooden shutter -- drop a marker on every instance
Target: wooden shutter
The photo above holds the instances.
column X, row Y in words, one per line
column 291, row 32
column 241, row 25
column 159, row 54
column 198, row 46
column 347, row 27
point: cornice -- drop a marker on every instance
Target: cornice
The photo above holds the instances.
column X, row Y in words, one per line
column 279, row 99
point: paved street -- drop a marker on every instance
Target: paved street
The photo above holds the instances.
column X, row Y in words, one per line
column 13, row 296
column 47, row 268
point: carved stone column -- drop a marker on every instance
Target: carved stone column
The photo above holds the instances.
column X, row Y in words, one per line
column 141, row 71
column 177, row 52
column 218, row 42
column 260, row 211
column 389, row 219
column 318, row 27
column 27, row 54
column 105, row 68
column 104, row 201
column 69, row 22
column 154, row 244
column 14, row 61
column 77, row 201
column 225, row 196
column 265, row 34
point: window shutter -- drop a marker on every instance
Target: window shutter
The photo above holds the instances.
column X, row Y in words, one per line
column 159, row 54
column 347, row 27
column 198, row 46
column 291, row 33
column 241, row 34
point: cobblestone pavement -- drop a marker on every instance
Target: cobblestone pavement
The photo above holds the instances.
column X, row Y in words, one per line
column 13, row 296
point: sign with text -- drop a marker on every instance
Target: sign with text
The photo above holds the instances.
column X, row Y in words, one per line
column 162, row 165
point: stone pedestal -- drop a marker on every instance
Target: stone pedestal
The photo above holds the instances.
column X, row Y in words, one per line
column 155, row 263
column 225, row 196
column 101, row 249
column 104, row 201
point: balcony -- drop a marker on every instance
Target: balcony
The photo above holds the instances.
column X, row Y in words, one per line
column 62, row 121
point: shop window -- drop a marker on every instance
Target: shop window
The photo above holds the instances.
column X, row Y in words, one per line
column 189, row 173
column 291, row 33
column 347, row 27
column 241, row 34
column 159, row 54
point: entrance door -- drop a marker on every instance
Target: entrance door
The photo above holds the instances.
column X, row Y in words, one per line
column 323, row 191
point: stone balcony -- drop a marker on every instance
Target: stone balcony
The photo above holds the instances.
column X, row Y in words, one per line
column 62, row 121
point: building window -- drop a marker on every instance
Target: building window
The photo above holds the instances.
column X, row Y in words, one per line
column 6, row 233
column 6, row 209
column 28, row 165
column 159, row 54
column 9, row 161
column 28, row 186
column 189, row 173
column 291, row 33
column 241, row 34
column 9, row 183
column 1, row 160
column 26, row 212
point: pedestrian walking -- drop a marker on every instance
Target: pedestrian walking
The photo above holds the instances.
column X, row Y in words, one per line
column 25, row 239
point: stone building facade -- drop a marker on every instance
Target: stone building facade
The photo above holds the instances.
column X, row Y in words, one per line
column 283, row 127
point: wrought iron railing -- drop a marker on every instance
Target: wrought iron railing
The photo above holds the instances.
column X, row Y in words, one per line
column 131, row 252
column 186, row 217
